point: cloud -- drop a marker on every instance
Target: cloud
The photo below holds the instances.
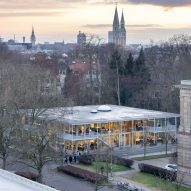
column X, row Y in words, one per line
column 30, row 13
column 97, row 26
column 36, row 4
column 144, row 26
column 164, row 3
column 9, row 4
column 128, row 26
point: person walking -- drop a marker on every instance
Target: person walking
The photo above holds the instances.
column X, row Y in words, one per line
column 70, row 159
column 75, row 158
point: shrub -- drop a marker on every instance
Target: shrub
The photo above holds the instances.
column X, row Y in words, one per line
column 28, row 175
column 157, row 171
column 82, row 173
column 86, row 159
column 115, row 160
column 123, row 161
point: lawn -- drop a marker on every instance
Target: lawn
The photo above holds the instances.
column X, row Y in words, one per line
column 115, row 167
column 151, row 157
column 156, row 182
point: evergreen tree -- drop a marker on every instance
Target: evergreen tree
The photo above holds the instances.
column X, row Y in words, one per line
column 141, row 70
column 116, row 61
column 129, row 65
column 140, row 63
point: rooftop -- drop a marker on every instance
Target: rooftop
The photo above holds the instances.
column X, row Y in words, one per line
column 83, row 114
column 186, row 82
column 10, row 182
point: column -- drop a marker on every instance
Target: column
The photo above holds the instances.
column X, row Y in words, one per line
column 166, row 143
column 85, row 127
column 132, row 134
column 72, row 140
column 77, row 130
column 109, row 135
column 154, row 130
column 176, row 129
column 124, row 139
column 97, row 130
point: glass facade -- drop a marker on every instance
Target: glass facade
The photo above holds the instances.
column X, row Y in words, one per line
column 132, row 133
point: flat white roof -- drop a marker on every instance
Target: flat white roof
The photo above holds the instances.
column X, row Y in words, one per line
column 82, row 114
column 186, row 82
column 13, row 182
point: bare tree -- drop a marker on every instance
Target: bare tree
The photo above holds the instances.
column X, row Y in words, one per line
column 36, row 150
column 8, row 131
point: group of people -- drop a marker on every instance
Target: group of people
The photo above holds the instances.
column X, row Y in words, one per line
column 71, row 158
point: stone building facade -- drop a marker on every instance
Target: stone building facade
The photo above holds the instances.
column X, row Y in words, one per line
column 184, row 133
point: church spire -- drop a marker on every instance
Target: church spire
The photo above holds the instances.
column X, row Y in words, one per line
column 116, row 20
column 122, row 22
column 33, row 38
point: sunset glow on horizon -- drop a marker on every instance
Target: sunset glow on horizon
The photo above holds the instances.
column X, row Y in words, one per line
column 58, row 20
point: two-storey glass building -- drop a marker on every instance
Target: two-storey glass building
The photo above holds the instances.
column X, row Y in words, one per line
column 80, row 127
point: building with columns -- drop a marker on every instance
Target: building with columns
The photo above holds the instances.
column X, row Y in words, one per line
column 184, row 132
column 118, row 33
column 81, row 127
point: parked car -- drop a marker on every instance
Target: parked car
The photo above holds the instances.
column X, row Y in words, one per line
column 171, row 167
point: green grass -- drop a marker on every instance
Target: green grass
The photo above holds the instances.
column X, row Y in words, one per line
column 156, row 182
column 115, row 167
column 151, row 157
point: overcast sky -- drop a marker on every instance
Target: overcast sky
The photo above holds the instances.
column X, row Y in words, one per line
column 58, row 20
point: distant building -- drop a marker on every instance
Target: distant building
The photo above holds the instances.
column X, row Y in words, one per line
column 118, row 34
column 33, row 37
column 12, row 45
column 81, row 38
column 110, row 36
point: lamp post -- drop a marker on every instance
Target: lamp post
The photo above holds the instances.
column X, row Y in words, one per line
column 62, row 153
column 111, row 148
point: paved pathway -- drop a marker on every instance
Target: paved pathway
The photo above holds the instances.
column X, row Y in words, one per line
column 133, row 151
column 63, row 181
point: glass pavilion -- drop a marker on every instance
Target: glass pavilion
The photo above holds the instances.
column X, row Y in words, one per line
column 116, row 126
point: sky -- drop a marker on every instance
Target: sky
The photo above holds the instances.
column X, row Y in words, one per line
column 58, row 20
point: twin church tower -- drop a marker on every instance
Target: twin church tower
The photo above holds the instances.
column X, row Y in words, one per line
column 118, row 34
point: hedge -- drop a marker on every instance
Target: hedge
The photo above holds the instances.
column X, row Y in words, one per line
column 157, row 171
column 86, row 159
column 122, row 161
column 82, row 173
column 28, row 175
column 115, row 159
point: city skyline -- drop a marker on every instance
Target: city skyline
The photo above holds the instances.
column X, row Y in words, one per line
column 58, row 20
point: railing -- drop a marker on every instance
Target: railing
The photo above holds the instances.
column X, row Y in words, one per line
column 24, row 181
column 158, row 129
column 73, row 137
